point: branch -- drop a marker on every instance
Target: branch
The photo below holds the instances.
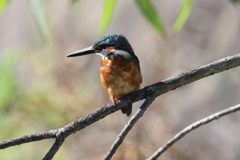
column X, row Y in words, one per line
column 128, row 127
column 57, row 144
column 155, row 90
column 27, row 139
column 191, row 128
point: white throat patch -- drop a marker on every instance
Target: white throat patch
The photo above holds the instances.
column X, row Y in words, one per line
column 118, row 52
column 100, row 55
column 122, row 53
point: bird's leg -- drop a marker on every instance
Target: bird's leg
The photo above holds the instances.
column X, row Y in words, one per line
column 114, row 100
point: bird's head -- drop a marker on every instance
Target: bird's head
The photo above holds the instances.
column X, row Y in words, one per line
column 109, row 46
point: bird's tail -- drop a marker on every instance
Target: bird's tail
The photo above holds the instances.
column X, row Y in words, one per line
column 127, row 110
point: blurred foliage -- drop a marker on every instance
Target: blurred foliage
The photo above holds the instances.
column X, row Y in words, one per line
column 9, row 91
column 41, row 90
column 151, row 14
column 183, row 15
column 36, row 102
column 108, row 10
column 3, row 5
column 147, row 9
column 235, row 1
column 74, row 1
column 7, row 81
column 40, row 19
column 145, row 6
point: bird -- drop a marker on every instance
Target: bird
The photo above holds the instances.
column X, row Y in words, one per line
column 120, row 71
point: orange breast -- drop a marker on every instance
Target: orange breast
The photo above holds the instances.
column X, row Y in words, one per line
column 120, row 77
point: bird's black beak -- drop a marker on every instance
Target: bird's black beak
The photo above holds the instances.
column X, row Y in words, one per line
column 85, row 51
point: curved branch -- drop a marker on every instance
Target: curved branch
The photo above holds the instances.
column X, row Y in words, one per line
column 192, row 127
column 155, row 90
column 128, row 127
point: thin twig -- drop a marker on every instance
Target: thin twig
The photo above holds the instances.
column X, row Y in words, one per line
column 192, row 127
column 128, row 127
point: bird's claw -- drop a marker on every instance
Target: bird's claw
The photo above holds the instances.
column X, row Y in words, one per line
column 114, row 101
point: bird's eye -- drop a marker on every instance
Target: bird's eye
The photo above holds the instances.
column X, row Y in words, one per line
column 103, row 46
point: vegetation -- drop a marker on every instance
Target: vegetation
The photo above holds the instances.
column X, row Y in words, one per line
column 41, row 89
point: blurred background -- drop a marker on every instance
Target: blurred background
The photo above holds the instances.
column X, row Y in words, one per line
column 41, row 89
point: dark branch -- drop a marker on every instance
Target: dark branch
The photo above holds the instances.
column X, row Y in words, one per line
column 28, row 138
column 57, row 144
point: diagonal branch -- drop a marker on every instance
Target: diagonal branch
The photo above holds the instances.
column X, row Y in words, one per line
column 128, row 127
column 156, row 89
column 191, row 128
column 57, row 144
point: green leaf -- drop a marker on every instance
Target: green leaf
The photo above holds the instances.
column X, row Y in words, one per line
column 7, row 80
column 151, row 14
column 235, row 1
column 3, row 5
column 74, row 1
column 183, row 15
column 40, row 18
column 109, row 6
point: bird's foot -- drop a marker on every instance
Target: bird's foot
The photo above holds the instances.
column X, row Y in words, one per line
column 114, row 101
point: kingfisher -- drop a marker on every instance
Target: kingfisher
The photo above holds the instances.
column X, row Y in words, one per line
column 119, row 69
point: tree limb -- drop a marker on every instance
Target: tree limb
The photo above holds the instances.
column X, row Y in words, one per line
column 55, row 147
column 27, row 139
column 155, row 90
column 192, row 127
